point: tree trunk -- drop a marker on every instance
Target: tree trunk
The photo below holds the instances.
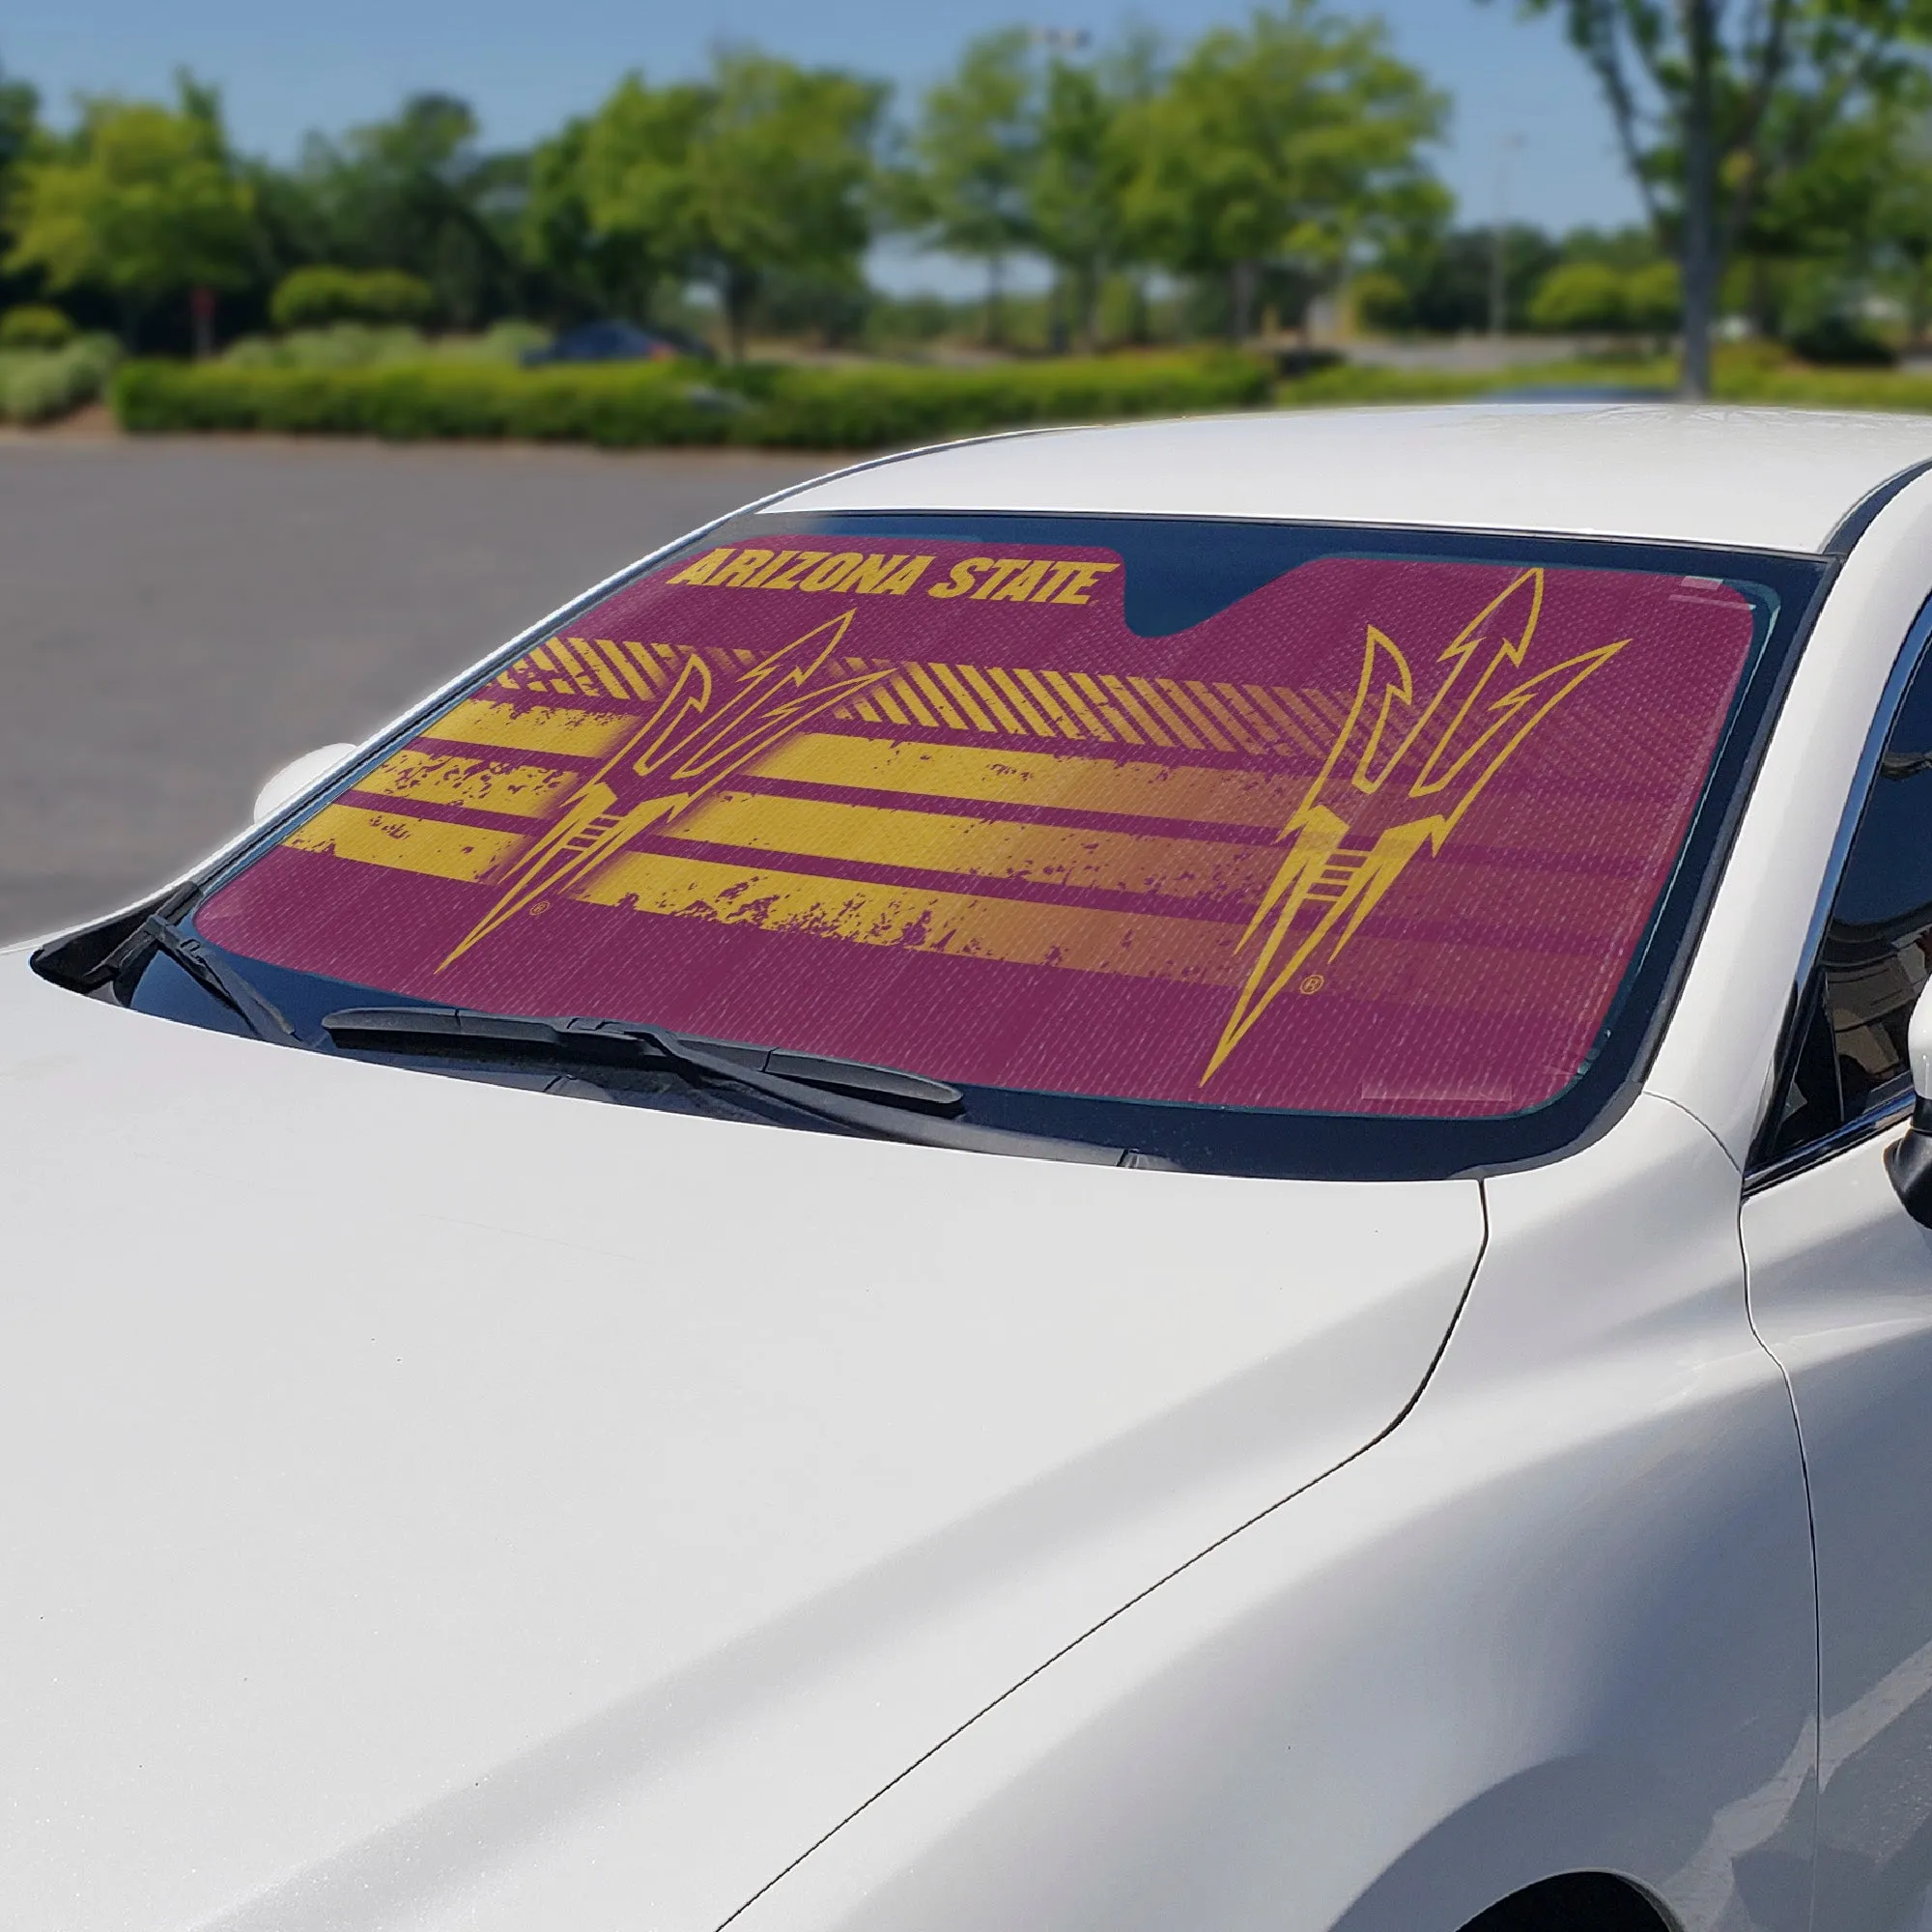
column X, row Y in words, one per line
column 1241, row 299
column 996, row 301
column 738, row 291
column 1701, row 264
column 201, row 315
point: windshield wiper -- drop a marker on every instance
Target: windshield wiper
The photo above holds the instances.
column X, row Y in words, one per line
column 214, row 975
column 881, row 1101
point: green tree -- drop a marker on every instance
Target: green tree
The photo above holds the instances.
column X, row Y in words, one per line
column 765, row 169
column 1654, row 298
column 318, row 295
column 1900, row 217
column 417, row 192
column 972, row 154
column 20, row 133
column 1077, row 188
column 1289, row 140
column 1715, row 110
column 617, row 193
column 19, row 123
column 1582, row 297
column 143, row 200
column 584, row 269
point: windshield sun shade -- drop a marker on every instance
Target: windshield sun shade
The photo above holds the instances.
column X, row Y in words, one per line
column 1377, row 834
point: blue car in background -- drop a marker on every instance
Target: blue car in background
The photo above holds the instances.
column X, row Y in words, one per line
column 614, row 341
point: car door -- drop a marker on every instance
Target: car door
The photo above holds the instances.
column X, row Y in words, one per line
column 1840, row 1286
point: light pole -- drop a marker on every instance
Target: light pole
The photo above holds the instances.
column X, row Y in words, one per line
column 1499, row 238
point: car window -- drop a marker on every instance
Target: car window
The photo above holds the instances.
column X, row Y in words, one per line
column 1847, row 1058
column 1203, row 820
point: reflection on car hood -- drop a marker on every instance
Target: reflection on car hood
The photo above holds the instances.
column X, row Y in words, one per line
column 436, row 1503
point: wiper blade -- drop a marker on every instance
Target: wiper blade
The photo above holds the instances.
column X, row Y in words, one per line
column 881, row 1101
column 214, row 975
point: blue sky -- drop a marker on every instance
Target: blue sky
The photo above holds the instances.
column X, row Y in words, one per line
column 526, row 64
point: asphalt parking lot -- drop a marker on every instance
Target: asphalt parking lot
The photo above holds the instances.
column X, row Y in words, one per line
column 177, row 618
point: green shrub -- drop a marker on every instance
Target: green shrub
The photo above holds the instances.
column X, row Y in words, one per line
column 1843, row 342
column 340, row 345
column 506, row 341
column 40, row 384
column 1380, row 300
column 1352, row 383
column 626, row 405
column 362, row 345
column 35, row 326
column 1800, row 387
column 315, row 298
column 1580, row 296
column 1654, row 298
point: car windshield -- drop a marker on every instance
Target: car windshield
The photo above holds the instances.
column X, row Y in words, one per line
column 1213, row 823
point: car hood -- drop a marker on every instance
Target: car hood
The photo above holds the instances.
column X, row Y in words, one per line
column 433, row 1504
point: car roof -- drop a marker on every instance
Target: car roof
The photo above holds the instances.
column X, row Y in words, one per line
column 1768, row 480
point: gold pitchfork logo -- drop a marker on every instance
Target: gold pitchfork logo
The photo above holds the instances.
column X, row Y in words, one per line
column 677, row 755
column 1348, row 843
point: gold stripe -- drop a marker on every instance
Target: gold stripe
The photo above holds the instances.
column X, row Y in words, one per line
column 407, row 844
column 1050, row 706
column 982, row 848
column 1104, row 709
column 1072, row 700
column 1164, row 715
column 1139, row 788
column 956, row 690
column 1010, row 700
column 540, row 727
column 482, row 785
column 1117, row 687
column 1016, row 702
column 1140, row 945
column 921, row 679
column 1207, row 698
column 593, row 678
column 995, row 704
column 1179, row 699
column 1282, row 725
column 619, row 670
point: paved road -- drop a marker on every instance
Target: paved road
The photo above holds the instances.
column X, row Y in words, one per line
column 179, row 618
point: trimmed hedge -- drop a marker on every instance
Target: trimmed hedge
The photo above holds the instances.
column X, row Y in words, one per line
column 1353, row 382
column 1831, row 389
column 625, row 406
column 1751, row 374
column 38, row 385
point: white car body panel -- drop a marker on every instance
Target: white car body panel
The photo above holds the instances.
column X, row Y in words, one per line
column 608, row 1499
column 398, row 1554
column 1764, row 479
column 1841, row 1292
column 1447, row 1669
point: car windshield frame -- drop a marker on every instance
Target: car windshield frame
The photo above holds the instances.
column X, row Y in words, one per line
column 1214, row 1137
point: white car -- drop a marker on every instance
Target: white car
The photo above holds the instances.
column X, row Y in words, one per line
column 1121, row 1181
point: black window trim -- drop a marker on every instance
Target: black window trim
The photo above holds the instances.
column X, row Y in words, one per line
column 1914, row 652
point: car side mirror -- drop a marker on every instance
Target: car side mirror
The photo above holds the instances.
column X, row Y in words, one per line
column 295, row 778
column 1909, row 1161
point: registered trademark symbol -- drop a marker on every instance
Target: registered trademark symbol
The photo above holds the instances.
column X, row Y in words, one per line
column 1313, row 983
column 542, row 905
